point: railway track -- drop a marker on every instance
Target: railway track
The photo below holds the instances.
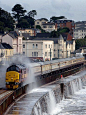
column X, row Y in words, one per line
column 4, row 94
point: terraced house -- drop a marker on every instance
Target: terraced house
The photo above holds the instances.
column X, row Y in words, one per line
column 14, row 39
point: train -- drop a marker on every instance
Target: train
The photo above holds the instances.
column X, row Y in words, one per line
column 17, row 73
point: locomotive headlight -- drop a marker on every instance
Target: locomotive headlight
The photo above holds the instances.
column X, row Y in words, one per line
column 16, row 83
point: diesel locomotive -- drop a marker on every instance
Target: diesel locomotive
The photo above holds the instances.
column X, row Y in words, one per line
column 15, row 76
column 17, row 73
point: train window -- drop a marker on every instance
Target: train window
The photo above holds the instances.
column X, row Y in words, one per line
column 24, row 72
column 17, row 69
column 13, row 68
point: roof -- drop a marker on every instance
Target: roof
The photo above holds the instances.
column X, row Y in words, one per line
column 26, row 35
column 51, row 39
column 43, row 35
column 6, row 46
column 63, row 21
column 1, row 46
column 13, row 34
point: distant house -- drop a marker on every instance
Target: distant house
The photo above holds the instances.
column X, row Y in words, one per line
column 80, row 33
column 6, row 51
column 61, row 23
column 14, row 39
column 80, row 30
column 30, row 31
column 49, row 27
column 40, row 21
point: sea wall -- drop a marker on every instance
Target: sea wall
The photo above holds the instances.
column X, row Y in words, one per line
column 63, row 88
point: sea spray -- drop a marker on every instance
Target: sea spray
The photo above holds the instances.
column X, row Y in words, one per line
column 52, row 102
column 21, row 59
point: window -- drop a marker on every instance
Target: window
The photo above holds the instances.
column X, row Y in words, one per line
column 36, row 45
column 24, row 53
column 23, row 45
column 32, row 53
column 6, row 52
column 43, row 22
column 10, row 52
column 37, row 22
column 45, row 53
column 44, row 27
column 35, row 53
column 45, row 45
column 33, row 45
column 49, row 46
column 50, row 26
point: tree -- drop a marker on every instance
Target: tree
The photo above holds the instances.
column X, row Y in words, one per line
column 54, row 18
column 63, row 30
column 6, row 21
column 18, row 12
column 23, row 24
column 54, row 34
column 80, row 43
column 32, row 13
column 39, row 27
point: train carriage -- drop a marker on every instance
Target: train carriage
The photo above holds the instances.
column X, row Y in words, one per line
column 16, row 73
column 36, row 68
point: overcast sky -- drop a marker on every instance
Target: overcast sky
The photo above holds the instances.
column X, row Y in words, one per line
column 71, row 9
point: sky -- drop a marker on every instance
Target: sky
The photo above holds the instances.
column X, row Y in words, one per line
column 71, row 9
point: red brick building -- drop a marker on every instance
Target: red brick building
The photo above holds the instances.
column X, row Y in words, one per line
column 66, row 23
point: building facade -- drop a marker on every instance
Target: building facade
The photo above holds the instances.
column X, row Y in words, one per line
column 79, row 33
column 14, row 40
column 38, row 49
column 6, row 52
column 61, row 23
column 49, row 27
column 40, row 21
column 48, row 48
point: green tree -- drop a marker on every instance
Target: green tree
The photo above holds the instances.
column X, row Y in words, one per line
column 32, row 13
column 23, row 24
column 54, row 18
column 80, row 43
column 18, row 12
column 39, row 27
column 64, row 30
column 54, row 34
column 6, row 21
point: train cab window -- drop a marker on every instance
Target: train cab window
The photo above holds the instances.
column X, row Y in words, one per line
column 13, row 68
column 17, row 69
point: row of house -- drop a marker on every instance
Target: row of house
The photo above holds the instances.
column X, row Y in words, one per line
column 48, row 48
column 49, row 26
column 77, row 29
column 41, row 46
